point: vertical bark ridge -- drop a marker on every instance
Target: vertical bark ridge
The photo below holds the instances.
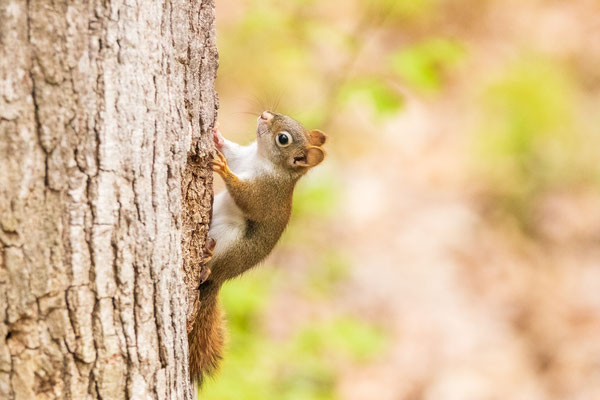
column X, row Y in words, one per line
column 197, row 176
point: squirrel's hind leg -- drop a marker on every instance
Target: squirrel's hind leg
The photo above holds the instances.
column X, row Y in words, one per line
column 209, row 248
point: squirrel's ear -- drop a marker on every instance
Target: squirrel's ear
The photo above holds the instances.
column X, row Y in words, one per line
column 316, row 137
column 312, row 156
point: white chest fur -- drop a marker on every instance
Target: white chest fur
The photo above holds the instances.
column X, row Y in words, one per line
column 229, row 223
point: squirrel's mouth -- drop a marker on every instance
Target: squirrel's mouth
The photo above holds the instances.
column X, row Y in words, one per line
column 261, row 129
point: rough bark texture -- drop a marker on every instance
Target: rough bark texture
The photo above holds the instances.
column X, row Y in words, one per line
column 100, row 105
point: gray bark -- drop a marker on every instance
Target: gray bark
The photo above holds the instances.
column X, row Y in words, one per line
column 104, row 112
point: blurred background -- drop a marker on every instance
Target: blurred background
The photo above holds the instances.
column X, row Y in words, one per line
column 449, row 246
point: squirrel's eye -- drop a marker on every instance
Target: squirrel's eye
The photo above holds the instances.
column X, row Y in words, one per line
column 284, row 139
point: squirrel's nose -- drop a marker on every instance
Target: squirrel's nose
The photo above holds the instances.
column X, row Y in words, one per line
column 266, row 116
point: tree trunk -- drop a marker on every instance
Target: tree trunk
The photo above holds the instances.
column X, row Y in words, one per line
column 104, row 194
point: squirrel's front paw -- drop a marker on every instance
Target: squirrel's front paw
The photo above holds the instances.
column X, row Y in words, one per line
column 220, row 165
column 217, row 137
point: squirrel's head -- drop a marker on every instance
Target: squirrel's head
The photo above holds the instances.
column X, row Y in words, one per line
column 288, row 144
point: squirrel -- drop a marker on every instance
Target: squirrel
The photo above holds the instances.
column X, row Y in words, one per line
column 248, row 217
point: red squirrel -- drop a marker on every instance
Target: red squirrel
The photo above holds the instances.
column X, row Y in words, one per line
column 248, row 217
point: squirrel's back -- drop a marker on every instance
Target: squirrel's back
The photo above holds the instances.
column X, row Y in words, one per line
column 242, row 243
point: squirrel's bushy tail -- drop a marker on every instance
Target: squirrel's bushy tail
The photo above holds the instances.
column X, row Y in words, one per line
column 206, row 339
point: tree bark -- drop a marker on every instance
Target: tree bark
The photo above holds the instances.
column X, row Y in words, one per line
column 105, row 194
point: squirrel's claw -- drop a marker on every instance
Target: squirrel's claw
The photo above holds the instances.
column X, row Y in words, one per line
column 220, row 159
column 204, row 274
column 220, row 165
column 209, row 248
column 217, row 137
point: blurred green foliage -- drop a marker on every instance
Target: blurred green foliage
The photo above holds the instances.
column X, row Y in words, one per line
column 300, row 366
column 384, row 100
column 316, row 196
column 527, row 138
column 350, row 77
column 334, row 268
column 424, row 65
